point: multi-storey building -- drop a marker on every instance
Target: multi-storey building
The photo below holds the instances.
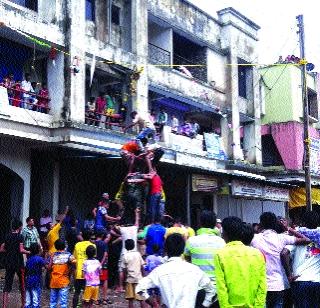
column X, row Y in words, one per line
column 144, row 55
column 282, row 125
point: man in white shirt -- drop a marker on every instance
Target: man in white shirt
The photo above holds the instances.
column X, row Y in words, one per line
column 178, row 280
column 27, row 90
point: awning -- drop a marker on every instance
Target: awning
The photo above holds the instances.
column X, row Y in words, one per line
column 198, row 104
column 297, row 197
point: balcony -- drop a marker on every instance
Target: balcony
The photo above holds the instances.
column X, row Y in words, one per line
column 158, row 55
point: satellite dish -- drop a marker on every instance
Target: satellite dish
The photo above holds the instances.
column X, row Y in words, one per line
column 310, row 67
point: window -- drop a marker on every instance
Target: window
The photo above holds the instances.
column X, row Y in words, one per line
column 115, row 15
column 245, row 80
column 29, row 4
column 90, row 15
column 313, row 104
column 242, row 77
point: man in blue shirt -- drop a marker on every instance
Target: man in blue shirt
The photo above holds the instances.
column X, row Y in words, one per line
column 101, row 214
column 155, row 236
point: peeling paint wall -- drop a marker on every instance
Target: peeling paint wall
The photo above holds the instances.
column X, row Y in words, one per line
column 184, row 16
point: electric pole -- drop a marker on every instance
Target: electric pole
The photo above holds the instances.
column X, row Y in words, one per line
column 306, row 137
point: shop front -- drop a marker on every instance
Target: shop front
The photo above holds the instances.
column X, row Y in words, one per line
column 248, row 200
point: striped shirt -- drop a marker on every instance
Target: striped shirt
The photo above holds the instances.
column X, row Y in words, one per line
column 30, row 235
column 202, row 249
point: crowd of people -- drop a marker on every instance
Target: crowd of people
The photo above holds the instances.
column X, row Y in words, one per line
column 232, row 264
column 27, row 94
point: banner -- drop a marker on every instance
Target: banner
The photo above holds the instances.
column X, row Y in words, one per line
column 214, row 147
column 315, row 156
column 204, row 183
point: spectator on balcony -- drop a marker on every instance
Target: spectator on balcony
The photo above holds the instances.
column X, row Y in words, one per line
column 8, row 82
column 17, row 93
column 100, row 107
column 162, row 120
column 43, row 103
column 195, row 128
column 186, row 129
column 123, row 111
column 26, row 92
column 109, row 110
column 174, row 124
column 90, row 111
column 34, row 94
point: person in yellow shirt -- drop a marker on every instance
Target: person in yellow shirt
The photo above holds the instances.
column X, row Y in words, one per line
column 53, row 234
column 177, row 228
column 81, row 256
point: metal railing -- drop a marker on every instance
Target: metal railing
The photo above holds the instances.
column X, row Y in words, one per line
column 27, row 100
column 158, row 55
column 198, row 72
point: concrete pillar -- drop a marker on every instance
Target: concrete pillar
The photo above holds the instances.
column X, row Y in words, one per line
column 234, row 90
column 226, row 136
column 140, row 48
column 74, row 98
column 252, row 131
column 56, row 85
column 102, row 20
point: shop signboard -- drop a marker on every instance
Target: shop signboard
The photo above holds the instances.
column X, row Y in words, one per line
column 196, row 162
column 204, row 183
column 276, row 193
column 315, row 156
column 241, row 188
column 253, row 190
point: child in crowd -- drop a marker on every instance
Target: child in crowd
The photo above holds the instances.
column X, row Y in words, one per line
column 102, row 256
column 61, row 265
column 91, row 272
column 132, row 263
column 34, row 267
column 153, row 261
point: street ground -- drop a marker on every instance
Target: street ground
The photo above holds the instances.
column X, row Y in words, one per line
column 14, row 297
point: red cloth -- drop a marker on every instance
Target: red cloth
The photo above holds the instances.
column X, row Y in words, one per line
column 131, row 147
column 100, row 105
column 155, row 185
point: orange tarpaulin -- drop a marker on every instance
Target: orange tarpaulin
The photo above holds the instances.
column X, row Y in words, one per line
column 297, row 197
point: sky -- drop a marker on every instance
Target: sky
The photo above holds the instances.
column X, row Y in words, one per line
column 277, row 19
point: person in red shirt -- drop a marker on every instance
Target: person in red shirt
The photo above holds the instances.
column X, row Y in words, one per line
column 100, row 107
column 43, row 99
column 155, row 191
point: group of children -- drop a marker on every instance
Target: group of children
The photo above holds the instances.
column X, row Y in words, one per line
column 89, row 264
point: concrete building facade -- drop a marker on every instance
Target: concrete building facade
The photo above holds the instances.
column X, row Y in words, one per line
column 147, row 55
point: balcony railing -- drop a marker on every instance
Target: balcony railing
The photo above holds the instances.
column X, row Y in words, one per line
column 27, row 100
column 197, row 70
column 158, row 55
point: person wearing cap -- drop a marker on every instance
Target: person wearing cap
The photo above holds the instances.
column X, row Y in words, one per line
column 101, row 214
column 218, row 227
column 53, row 234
